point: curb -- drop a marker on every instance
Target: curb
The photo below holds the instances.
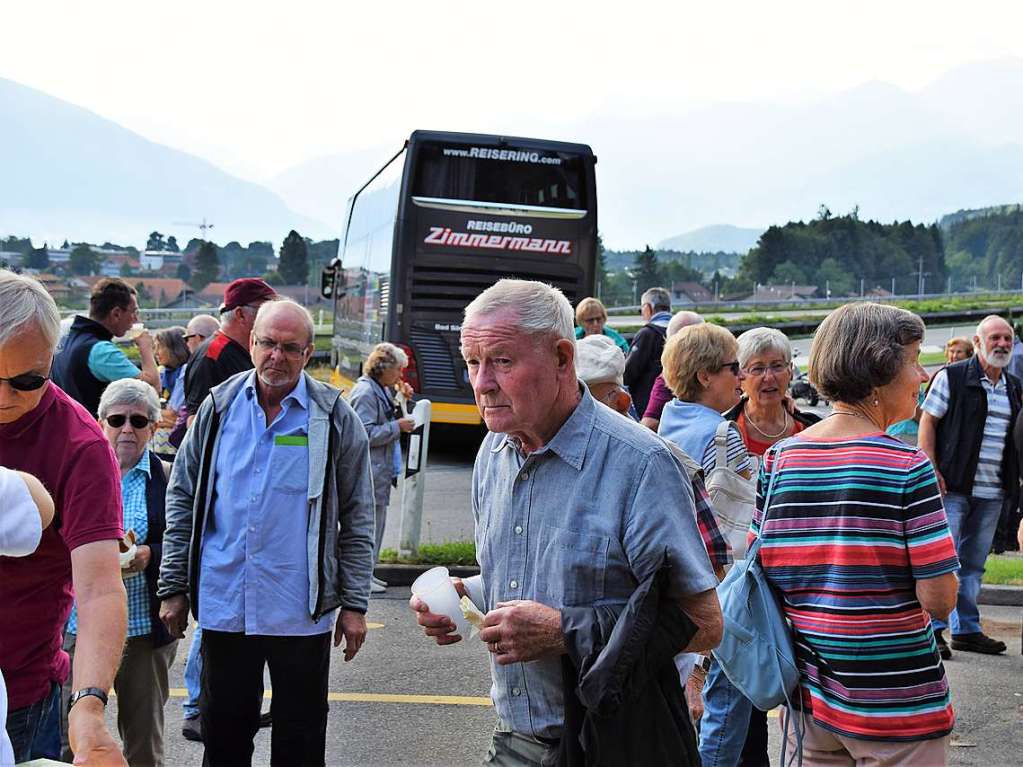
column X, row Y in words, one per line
column 403, row 575
column 1005, row 596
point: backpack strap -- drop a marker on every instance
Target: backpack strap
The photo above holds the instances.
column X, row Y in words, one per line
column 721, row 445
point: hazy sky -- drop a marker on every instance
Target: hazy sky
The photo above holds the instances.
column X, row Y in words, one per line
column 257, row 87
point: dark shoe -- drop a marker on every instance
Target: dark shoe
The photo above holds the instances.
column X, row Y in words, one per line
column 190, row 729
column 978, row 642
column 265, row 720
column 943, row 648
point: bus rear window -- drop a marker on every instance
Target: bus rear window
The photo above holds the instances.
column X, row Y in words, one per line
column 500, row 175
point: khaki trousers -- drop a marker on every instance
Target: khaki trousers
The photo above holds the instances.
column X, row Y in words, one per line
column 824, row 748
column 142, row 689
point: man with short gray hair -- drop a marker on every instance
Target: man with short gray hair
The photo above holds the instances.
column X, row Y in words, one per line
column 45, row 433
column 965, row 429
column 643, row 364
column 269, row 532
column 575, row 507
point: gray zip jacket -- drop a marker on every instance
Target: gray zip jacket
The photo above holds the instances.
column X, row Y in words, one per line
column 340, row 501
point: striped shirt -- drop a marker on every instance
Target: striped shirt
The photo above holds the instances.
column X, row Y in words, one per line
column 133, row 497
column 987, row 482
column 852, row 526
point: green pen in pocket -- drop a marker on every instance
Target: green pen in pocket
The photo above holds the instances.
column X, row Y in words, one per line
column 296, row 440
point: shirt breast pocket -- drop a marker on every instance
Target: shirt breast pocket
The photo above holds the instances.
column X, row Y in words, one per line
column 571, row 566
column 289, row 471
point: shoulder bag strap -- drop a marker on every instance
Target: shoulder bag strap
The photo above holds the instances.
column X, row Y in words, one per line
column 721, row 444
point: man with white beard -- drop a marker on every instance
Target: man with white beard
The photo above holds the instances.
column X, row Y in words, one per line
column 966, row 430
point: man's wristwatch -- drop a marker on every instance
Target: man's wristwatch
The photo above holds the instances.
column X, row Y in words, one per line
column 84, row 692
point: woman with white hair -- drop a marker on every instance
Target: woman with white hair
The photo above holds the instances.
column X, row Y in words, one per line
column 372, row 398
column 129, row 412
column 765, row 414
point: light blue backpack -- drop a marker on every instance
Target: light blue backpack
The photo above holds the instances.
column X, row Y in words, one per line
column 756, row 652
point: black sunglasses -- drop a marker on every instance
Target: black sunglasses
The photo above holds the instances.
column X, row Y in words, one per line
column 734, row 366
column 137, row 421
column 26, row 381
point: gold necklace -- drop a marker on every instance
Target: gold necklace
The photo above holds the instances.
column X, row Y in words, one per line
column 751, row 422
column 857, row 415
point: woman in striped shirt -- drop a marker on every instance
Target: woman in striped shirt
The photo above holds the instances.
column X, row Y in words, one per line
column 857, row 544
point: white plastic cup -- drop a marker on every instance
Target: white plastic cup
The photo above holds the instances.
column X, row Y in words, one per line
column 435, row 589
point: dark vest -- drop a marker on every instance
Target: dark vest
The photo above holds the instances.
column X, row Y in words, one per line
column 156, row 493
column 961, row 430
column 71, row 364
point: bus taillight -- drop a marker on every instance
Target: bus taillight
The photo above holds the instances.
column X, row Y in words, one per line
column 410, row 374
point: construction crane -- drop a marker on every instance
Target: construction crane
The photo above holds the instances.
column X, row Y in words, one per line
column 201, row 227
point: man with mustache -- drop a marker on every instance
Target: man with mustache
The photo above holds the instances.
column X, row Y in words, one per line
column 269, row 532
column 965, row 429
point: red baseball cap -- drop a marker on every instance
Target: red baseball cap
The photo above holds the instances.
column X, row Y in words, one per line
column 244, row 291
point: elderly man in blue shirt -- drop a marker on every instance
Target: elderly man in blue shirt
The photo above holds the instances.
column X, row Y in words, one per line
column 269, row 531
column 574, row 506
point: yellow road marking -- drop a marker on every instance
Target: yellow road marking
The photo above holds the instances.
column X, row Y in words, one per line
column 374, row 625
column 372, row 697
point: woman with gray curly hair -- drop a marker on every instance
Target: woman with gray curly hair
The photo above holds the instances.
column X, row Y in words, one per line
column 372, row 398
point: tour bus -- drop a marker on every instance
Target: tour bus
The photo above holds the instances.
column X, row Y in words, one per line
column 445, row 218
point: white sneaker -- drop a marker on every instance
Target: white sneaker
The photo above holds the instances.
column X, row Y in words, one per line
column 376, row 588
column 379, row 582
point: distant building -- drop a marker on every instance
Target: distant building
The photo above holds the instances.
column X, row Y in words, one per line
column 114, row 264
column 784, row 293
column 690, row 293
column 58, row 255
column 159, row 260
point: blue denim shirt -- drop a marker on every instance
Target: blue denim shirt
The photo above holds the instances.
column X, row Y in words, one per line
column 254, row 573
column 579, row 522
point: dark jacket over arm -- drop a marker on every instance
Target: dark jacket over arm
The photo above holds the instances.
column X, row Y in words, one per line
column 624, row 702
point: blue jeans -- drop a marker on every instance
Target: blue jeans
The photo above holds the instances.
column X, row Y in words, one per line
column 725, row 722
column 35, row 730
column 973, row 522
column 193, row 675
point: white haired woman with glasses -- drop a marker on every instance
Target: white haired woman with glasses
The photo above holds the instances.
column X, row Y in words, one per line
column 373, row 399
column 128, row 414
column 765, row 414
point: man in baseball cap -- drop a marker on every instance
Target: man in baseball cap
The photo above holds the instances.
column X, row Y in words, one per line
column 226, row 352
column 247, row 291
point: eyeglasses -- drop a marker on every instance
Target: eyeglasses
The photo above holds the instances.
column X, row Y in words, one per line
column 192, row 335
column 733, row 366
column 775, row 367
column 137, row 421
column 289, row 350
column 26, row 381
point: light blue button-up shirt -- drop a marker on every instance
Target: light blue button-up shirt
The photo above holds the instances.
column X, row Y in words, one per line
column 582, row 521
column 254, row 575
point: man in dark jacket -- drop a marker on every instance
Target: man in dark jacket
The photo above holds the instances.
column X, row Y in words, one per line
column 966, row 429
column 643, row 364
column 88, row 360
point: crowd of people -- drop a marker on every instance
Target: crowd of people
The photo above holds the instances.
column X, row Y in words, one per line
column 618, row 489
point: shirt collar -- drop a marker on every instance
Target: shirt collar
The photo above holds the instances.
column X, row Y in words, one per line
column 569, row 444
column 299, row 395
column 142, row 465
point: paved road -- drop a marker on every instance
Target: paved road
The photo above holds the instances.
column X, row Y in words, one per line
column 420, row 728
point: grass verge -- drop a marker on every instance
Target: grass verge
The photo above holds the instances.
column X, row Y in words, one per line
column 1004, row 571
column 448, row 553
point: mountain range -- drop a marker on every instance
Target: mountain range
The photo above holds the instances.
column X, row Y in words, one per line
column 67, row 173
column 890, row 152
